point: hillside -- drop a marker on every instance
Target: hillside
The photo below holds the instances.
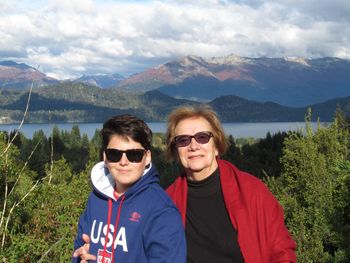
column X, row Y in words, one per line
column 235, row 109
column 76, row 102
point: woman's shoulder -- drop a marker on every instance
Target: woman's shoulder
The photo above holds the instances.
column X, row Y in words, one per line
column 241, row 178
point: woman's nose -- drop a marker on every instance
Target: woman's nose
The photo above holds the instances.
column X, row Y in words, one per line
column 193, row 144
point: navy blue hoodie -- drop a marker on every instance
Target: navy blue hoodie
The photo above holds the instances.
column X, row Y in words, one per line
column 142, row 225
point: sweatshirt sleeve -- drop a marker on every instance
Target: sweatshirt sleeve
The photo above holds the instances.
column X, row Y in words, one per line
column 164, row 237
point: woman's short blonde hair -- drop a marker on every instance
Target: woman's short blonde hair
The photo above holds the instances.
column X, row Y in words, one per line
column 186, row 112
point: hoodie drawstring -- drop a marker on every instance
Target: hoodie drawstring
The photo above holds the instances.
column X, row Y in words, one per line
column 110, row 207
column 116, row 224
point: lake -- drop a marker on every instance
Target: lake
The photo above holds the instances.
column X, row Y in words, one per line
column 237, row 130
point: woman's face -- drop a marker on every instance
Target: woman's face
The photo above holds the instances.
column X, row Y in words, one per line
column 125, row 172
column 198, row 160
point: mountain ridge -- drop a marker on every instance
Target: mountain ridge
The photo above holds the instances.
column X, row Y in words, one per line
column 20, row 76
column 289, row 81
column 103, row 81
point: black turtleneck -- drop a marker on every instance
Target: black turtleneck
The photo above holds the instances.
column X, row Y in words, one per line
column 209, row 233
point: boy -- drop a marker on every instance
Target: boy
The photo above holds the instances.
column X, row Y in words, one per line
column 128, row 217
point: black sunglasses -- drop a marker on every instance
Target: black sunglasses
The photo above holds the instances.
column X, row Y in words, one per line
column 133, row 155
column 185, row 140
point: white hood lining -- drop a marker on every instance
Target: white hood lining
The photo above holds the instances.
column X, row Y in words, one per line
column 103, row 181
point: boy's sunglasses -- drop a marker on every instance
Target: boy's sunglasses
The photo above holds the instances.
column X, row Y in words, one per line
column 133, row 155
column 185, row 140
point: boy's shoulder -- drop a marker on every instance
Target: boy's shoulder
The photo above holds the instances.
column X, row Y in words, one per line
column 157, row 195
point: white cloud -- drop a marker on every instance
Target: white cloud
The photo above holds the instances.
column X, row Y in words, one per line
column 74, row 37
column 74, row 6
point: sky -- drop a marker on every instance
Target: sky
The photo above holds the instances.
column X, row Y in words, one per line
column 70, row 38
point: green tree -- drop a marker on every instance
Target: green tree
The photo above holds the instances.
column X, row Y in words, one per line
column 16, row 183
column 314, row 193
column 96, row 139
column 75, row 137
column 233, row 153
column 76, row 150
column 48, row 234
column 260, row 157
column 58, row 144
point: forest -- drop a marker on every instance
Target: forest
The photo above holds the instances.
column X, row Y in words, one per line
column 44, row 185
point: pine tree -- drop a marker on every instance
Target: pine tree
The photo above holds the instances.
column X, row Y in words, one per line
column 314, row 193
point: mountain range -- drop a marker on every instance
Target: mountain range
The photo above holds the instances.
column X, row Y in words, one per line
column 287, row 81
column 294, row 82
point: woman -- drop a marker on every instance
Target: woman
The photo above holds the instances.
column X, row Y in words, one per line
column 128, row 217
column 229, row 215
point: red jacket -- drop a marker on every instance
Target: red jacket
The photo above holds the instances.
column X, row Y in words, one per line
column 254, row 212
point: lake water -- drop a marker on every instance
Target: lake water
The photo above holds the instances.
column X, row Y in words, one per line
column 237, row 130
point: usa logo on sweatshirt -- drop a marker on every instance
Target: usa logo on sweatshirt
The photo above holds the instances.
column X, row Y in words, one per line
column 98, row 234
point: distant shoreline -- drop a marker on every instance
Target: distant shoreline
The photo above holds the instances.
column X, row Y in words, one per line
column 237, row 130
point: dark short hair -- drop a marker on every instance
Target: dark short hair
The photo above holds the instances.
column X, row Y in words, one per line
column 186, row 112
column 127, row 125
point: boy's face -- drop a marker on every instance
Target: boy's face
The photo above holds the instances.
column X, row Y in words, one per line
column 125, row 172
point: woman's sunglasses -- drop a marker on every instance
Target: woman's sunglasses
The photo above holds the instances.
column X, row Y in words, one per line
column 133, row 155
column 185, row 140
